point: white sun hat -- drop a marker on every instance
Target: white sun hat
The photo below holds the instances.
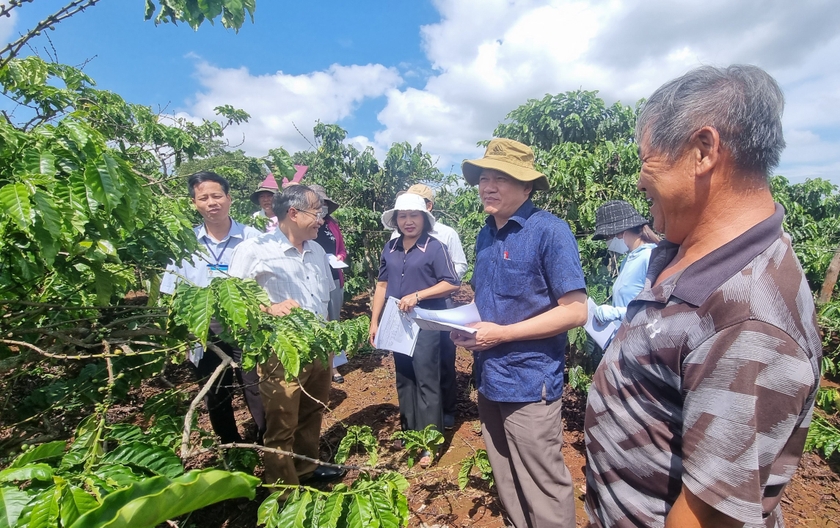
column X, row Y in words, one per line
column 406, row 202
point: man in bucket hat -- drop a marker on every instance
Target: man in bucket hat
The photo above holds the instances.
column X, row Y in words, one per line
column 529, row 290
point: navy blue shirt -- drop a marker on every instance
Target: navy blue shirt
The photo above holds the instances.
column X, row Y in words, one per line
column 521, row 270
column 425, row 264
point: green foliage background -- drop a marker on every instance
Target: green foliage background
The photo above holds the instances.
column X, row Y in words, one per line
column 94, row 205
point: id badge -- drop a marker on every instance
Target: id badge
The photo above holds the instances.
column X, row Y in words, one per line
column 217, row 270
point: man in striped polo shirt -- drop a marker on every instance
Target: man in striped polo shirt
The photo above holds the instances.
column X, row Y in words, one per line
column 698, row 412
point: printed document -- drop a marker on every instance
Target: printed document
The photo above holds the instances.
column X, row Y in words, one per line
column 600, row 332
column 335, row 263
column 448, row 320
column 397, row 331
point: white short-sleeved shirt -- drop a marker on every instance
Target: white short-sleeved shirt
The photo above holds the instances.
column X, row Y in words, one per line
column 284, row 272
column 212, row 262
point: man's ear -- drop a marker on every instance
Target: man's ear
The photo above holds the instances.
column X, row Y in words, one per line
column 529, row 186
column 706, row 142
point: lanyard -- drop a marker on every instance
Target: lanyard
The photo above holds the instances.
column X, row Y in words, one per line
column 221, row 253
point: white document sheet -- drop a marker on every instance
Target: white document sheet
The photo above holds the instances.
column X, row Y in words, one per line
column 340, row 359
column 600, row 332
column 335, row 263
column 448, row 320
column 397, row 331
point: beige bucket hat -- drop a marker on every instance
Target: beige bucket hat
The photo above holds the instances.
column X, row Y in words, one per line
column 422, row 190
column 510, row 157
column 322, row 194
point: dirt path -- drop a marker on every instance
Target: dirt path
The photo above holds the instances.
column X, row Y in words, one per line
column 368, row 397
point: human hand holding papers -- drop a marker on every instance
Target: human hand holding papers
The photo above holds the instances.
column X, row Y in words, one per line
column 601, row 332
column 397, row 330
column 335, row 263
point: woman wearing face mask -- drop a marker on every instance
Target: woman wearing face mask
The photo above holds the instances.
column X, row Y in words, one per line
column 627, row 232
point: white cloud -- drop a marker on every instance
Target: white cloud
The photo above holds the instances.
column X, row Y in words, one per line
column 7, row 27
column 278, row 102
column 489, row 56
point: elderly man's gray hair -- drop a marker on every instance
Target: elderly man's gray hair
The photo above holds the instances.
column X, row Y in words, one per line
column 742, row 102
column 300, row 197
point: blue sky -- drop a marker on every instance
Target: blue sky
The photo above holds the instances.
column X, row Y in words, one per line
column 445, row 72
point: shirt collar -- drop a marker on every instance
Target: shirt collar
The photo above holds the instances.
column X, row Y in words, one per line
column 285, row 245
column 237, row 230
column 520, row 216
column 702, row 278
column 421, row 244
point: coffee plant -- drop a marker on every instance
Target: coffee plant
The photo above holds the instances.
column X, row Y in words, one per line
column 93, row 206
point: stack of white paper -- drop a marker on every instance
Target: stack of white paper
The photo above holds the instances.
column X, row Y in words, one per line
column 397, row 331
column 448, row 320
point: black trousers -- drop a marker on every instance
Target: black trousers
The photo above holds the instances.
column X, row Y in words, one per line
column 448, row 385
column 418, row 384
column 219, row 399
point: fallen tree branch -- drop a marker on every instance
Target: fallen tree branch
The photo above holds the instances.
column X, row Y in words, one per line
column 185, row 436
column 43, row 352
column 293, row 455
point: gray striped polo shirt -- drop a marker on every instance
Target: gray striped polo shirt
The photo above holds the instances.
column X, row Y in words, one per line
column 709, row 383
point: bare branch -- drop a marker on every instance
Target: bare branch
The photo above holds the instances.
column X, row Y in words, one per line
column 11, row 51
column 185, row 437
column 303, row 136
column 221, row 353
column 293, row 455
column 7, row 10
column 43, row 352
column 313, row 398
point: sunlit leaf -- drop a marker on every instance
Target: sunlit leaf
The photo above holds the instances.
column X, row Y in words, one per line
column 154, row 500
column 12, row 502
column 155, row 459
column 14, row 198
column 41, row 452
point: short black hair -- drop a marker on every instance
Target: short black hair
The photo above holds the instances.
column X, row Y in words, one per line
column 206, row 176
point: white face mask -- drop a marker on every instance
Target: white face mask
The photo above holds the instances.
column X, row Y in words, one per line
column 617, row 245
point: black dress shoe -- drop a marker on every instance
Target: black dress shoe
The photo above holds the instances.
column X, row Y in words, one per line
column 325, row 474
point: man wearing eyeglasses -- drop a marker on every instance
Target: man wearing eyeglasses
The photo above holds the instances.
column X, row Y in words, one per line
column 294, row 271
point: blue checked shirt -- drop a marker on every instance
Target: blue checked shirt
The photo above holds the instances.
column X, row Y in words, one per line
column 521, row 270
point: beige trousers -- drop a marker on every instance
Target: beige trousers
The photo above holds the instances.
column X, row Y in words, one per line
column 293, row 419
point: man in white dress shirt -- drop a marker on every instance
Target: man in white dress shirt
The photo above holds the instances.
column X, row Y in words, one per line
column 295, row 273
column 219, row 234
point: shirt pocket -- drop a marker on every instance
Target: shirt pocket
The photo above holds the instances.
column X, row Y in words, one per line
column 513, row 278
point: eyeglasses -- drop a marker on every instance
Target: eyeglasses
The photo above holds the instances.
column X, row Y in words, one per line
column 318, row 216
